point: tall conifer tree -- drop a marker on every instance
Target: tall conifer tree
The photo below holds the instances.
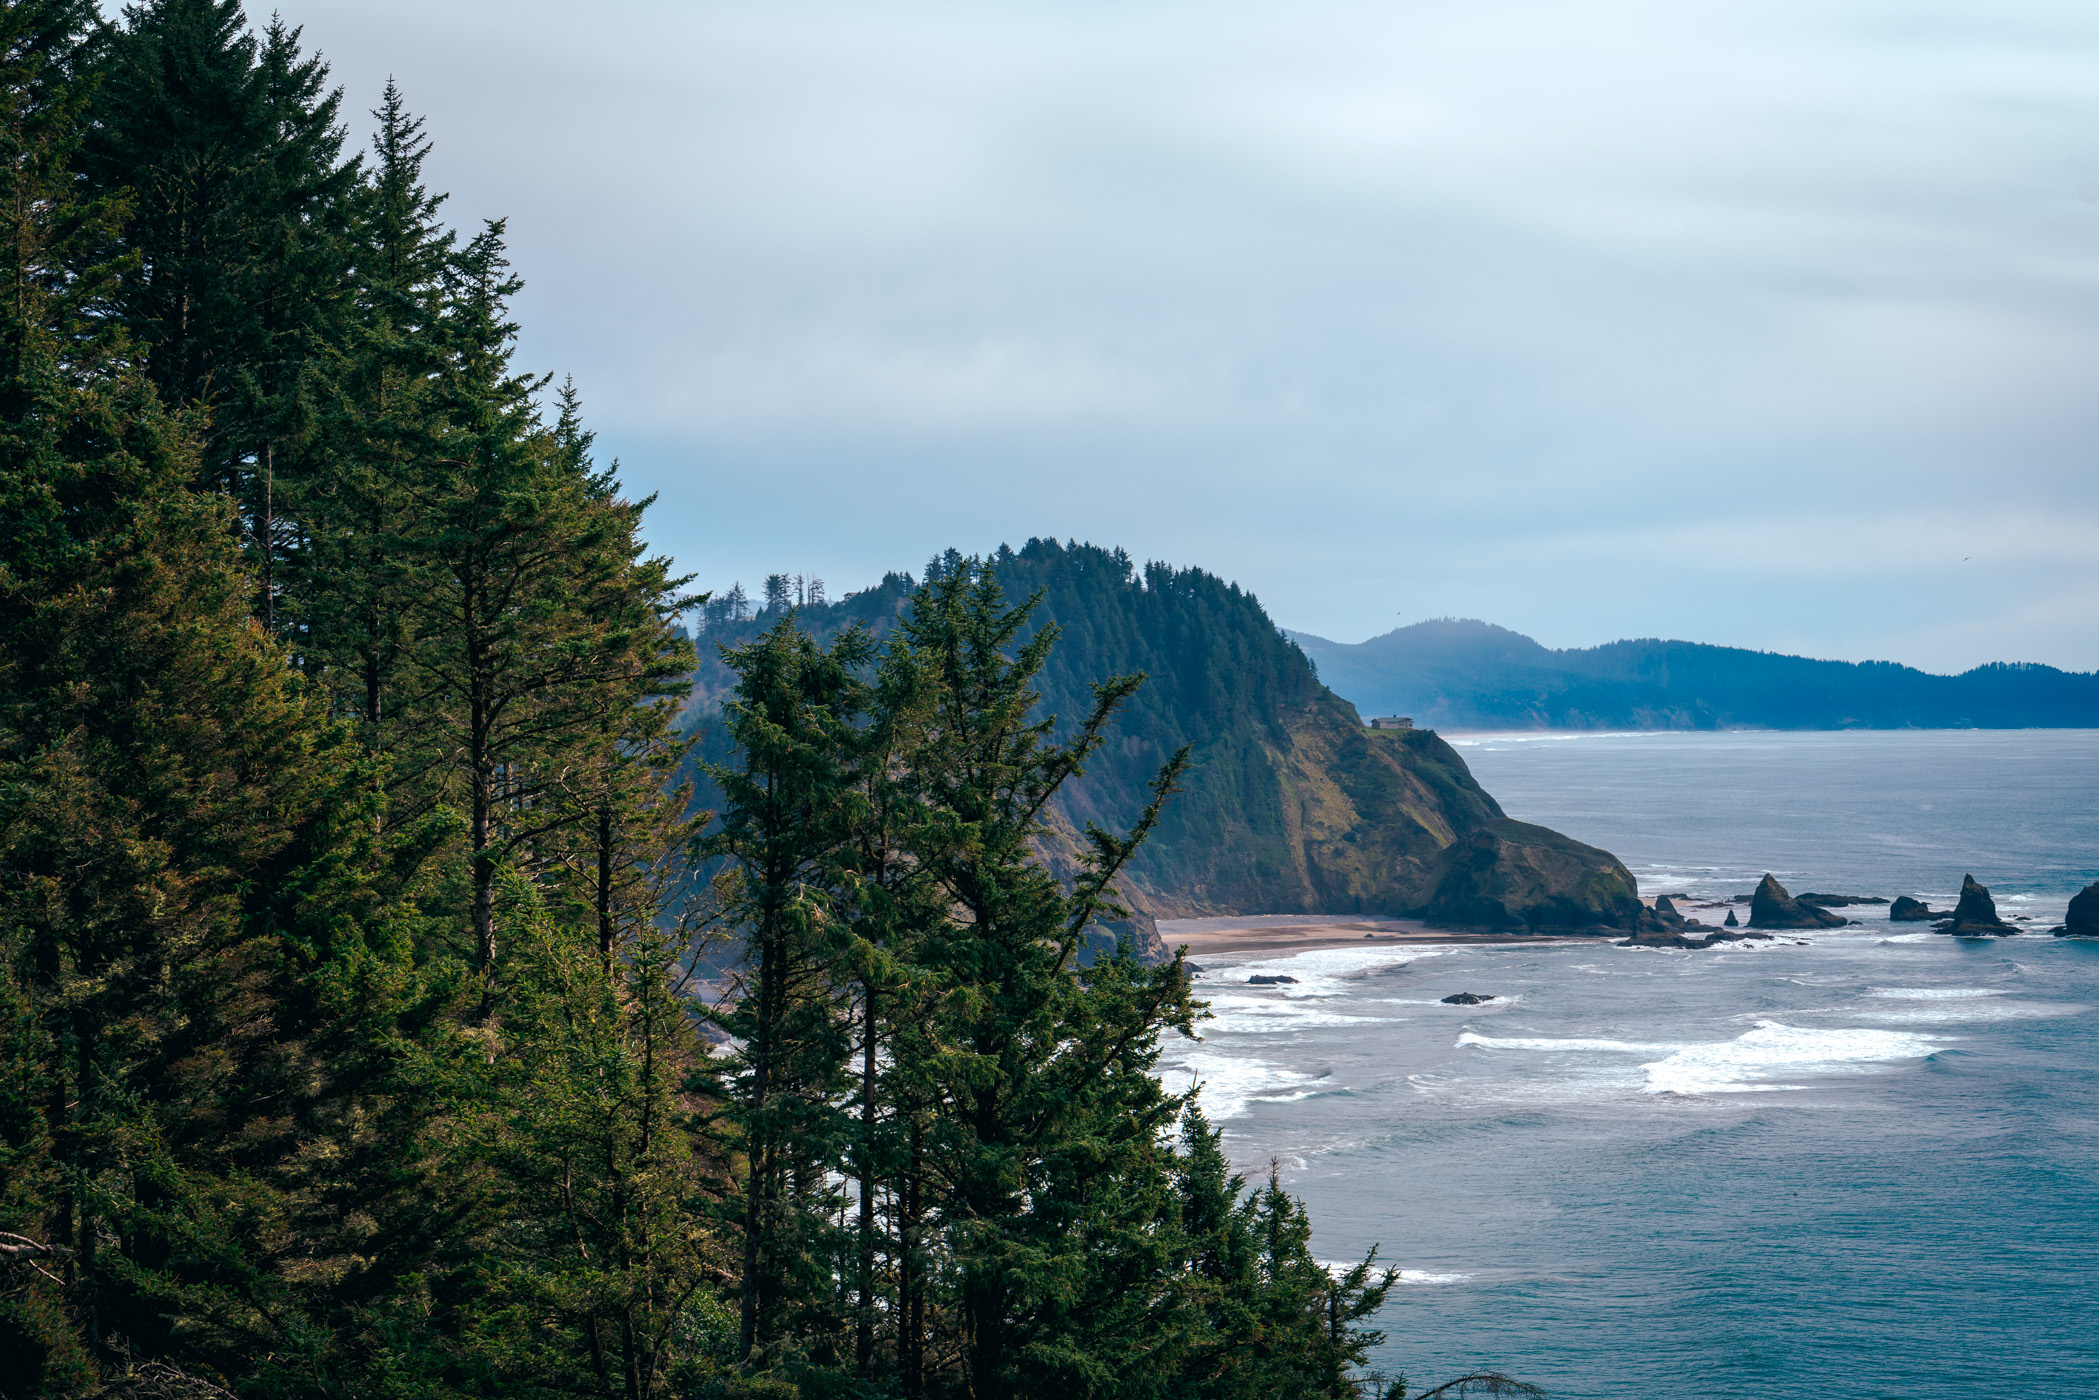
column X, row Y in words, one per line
column 786, row 823
column 230, row 146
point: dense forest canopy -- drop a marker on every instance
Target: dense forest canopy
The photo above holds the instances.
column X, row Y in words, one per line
column 1463, row 674
column 351, row 879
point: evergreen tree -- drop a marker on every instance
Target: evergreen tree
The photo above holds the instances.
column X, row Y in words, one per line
column 379, row 428
column 231, row 149
column 526, row 600
column 787, row 818
column 185, row 911
column 1046, row 1121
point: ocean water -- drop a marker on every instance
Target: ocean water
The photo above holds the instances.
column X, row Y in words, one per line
column 1855, row 1162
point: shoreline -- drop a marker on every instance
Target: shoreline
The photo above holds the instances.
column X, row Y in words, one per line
column 1289, row 933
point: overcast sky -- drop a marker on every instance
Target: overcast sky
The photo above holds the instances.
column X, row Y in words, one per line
column 1767, row 324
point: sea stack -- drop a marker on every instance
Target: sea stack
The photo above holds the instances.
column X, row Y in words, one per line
column 1912, row 911
column 1772, row 907
column 2083, row 919
column 1976, row 915
column 1731, row 921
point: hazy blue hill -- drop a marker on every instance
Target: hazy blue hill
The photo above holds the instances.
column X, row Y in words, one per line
column 1463, row 674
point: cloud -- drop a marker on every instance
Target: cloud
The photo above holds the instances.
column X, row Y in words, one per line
column 1504, row 304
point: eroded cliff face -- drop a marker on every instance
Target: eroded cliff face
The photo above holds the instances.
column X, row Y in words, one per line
column 1512, row 875
column 1339, row 820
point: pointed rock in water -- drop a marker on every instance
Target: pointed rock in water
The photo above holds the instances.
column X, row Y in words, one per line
column 1976, row 915
column 1907, row 910
column 2083, row 919
column 1772, row 907
column 1731, row 921
column 1666, row 907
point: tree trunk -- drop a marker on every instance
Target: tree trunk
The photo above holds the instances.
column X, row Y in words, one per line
column 911, row 1301
column 604, row 891
column 481, row 768
column 864, row 1332
column 759, row 1149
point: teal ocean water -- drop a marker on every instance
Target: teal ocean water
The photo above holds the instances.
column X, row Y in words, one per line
column 1862, row 1162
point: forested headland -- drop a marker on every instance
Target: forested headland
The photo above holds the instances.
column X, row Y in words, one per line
column 1463, row 674
column 1287, row 805
column 351, row 881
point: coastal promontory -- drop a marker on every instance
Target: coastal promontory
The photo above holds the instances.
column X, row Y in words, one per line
column 1290, row 804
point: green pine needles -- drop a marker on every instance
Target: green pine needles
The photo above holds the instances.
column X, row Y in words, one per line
column 380, row 1016
column 956, row 1173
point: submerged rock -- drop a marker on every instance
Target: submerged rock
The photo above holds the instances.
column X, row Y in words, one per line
column 1976, row 915
column 1510, row 875
column 2083, row 919
column 1838, row 901
column 1692, row 936
column 1466, row 999
column 1772, row 907
column 1907, row 910
column 1262, row 979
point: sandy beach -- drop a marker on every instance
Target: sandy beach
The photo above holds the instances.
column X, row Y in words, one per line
column 1297, row 933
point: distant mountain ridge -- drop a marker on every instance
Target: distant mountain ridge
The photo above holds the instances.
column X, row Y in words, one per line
column 1461, row 673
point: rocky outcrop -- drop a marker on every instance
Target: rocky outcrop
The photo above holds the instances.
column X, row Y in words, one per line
column 1690, row 936
column 1140, row 931
column 1262, row 979
column 1976, row 914
column 1510, row 875
column 1731, row 921
column 1913, row 911
column 1466, row 999
column 2083, row 919
column 1772, row 907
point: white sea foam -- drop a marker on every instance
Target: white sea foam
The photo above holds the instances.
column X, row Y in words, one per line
column 1749, row 1062
column 1934, row 993
column 1950, row 1013
column 1235, row 1014
column 1320, row 972
column 1615, row 1047
column 1232, row 1083
column 1338, row 1267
